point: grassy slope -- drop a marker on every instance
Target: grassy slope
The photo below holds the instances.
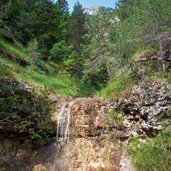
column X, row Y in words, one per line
column 117, row 87
column 46, row 77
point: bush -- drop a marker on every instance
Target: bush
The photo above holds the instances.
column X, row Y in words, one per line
column 60, row 51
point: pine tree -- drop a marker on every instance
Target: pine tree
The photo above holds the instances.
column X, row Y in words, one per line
column 77, row 27
column 77, row 37
column 64, row 5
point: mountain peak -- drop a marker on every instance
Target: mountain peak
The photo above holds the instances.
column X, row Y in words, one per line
column 94, row 10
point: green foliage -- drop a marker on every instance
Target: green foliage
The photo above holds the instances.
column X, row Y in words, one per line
column 8, row 48
column 62, row 52
column 169, row 77
column 141, row 23
column 152, row 155
column 99, row 29
column 64, row 5
column 25, row 110
column 77, row 28
column 4, row 10
column 143, row 51
column 4, row 70
column 60, row 85
column 118, row 86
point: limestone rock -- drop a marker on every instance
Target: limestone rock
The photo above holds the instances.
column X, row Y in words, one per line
column 145, row 106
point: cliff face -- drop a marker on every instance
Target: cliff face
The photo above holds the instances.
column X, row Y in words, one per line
column 94, row 10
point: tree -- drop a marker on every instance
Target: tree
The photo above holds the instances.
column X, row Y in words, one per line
column 77, row 28
column 157, row 17
column 77, row 37
column 64, row 5
column 100, row 28
column 143, row 23
column 49, row 25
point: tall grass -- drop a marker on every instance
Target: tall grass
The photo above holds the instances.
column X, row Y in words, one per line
column 63, row 85
column 16, row 50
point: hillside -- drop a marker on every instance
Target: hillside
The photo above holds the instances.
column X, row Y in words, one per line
column 88, row 90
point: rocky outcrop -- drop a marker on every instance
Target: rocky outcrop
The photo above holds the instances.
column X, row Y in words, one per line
column 147, row 108
column 91, row 145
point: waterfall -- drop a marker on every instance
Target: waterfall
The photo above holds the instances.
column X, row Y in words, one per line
column 63, row 124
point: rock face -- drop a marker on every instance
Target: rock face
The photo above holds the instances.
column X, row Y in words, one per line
column 94, row 10
column 146, row 108
column 91, row 146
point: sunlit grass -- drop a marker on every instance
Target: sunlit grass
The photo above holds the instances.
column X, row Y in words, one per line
column 118, row 86
column 9, row 48
column 54, row 83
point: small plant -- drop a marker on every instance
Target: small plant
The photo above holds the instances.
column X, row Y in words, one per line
column 116, row 116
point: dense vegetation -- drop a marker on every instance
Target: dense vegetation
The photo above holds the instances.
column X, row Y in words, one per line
column 91, row 49
column 76, row 54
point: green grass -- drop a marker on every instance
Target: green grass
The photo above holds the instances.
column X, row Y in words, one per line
column 41, row 74
column 63, row 85
column 169, row 77
column 154, row 154
column 60, row 85
column 161, row 75
column 16, row 50
column 118, row 86
column 116, row 116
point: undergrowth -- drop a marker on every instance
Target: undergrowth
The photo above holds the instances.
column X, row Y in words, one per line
column 154, row 154
column 16, row 50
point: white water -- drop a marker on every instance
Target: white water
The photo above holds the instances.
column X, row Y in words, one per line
column 63, row 124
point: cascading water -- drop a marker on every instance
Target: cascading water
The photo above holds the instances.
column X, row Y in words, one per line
column 63, row 132
column 63, row 124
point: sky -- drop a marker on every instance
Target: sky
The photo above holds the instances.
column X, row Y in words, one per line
column 93, row 3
